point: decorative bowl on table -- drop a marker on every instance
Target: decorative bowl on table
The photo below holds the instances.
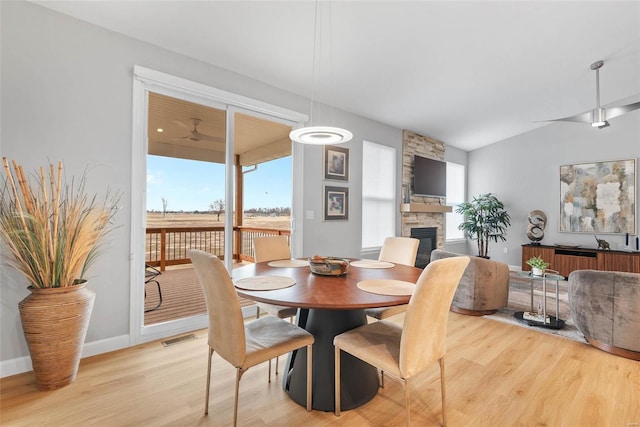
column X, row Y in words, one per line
column 328, row 266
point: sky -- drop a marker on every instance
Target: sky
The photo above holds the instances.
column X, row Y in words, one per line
column 190, row 185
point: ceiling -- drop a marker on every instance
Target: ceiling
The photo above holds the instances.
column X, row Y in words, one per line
column 466, row 73
column 172, row 122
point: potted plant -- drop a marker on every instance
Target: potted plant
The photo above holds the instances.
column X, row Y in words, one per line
column 52, row 232
column 538, row 265
column 485, row 219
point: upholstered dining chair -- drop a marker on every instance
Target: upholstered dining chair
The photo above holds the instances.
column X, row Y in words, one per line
column 406, row 351
column 398, row 250
column 272, row 248
column 243, row 346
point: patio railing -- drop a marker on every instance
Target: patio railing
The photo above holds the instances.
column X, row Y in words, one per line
column 165, row 246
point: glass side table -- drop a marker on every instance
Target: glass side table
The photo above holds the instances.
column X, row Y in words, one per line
column 540, row 317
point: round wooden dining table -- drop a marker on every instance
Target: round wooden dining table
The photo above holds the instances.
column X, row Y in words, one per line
column 328, row 306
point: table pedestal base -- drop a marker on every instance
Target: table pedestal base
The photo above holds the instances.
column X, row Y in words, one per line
column 359, row 380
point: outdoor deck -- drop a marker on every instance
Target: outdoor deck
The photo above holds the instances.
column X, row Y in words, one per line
column 181, row 295
column 167, row 250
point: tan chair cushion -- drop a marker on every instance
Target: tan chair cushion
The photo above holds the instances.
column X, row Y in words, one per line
column 269, row 337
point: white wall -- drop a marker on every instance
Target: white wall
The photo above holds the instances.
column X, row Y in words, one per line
column 67, row 95
column 524, row 172
column 455, row 155
column 344, row 238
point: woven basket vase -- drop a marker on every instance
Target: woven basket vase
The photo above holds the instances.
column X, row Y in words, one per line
column 55, row 323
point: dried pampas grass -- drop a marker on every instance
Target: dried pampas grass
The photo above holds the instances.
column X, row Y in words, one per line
column 53, row 230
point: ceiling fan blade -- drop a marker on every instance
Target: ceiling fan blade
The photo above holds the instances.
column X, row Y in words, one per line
column 598, row 116
column 181, row 138
column 618, row 111
column 580, row 118
column 189, row 128
column 203, row 137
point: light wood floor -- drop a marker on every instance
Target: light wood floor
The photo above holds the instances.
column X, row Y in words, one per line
column 497, row 375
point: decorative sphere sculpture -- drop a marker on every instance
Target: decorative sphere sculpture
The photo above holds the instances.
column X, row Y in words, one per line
column 535, row 229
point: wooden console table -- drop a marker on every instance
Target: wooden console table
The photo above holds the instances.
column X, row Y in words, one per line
column 565, row 260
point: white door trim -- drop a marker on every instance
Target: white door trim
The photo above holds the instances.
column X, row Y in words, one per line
column 144, row 81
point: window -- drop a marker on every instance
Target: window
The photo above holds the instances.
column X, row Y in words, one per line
column 455, row 196
column 378, row 194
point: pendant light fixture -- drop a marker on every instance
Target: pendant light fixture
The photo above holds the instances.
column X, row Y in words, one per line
column 318, row 135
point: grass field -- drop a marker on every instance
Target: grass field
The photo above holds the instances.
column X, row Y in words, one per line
column 189, row 219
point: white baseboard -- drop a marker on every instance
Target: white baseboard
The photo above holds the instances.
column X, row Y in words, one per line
column 104, row 346
column 15, row 366
column 23, row 364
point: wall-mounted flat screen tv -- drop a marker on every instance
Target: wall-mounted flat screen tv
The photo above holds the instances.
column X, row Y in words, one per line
column 429, row 177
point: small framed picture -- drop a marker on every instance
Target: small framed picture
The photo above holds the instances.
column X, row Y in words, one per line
column 336, row 163
column 336, row 203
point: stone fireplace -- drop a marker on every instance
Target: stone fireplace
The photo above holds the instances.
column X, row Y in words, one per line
column 430, row 212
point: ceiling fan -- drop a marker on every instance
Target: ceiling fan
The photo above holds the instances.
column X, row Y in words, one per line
column 194, row 135
column 598, row 117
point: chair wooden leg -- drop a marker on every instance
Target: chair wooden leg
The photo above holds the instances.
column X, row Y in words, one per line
column 235, row 403
column 442, row 389
column 309, row 375
column 407, row 401
column 337, row 381
column 206, row 393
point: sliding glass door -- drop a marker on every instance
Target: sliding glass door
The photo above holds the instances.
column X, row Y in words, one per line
column 191, row 155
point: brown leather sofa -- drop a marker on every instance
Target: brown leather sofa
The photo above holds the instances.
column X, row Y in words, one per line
column 484, row 287
column 605, row 306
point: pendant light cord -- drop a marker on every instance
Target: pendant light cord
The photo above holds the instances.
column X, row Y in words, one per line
column 313, row 65
column 320, row 135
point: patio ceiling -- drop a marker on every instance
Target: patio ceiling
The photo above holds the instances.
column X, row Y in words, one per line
column 256, row 140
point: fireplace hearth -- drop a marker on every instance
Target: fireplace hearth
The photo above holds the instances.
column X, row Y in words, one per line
column 428, row 242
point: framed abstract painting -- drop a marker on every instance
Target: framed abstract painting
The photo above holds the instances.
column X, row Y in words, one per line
column 598, row 197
